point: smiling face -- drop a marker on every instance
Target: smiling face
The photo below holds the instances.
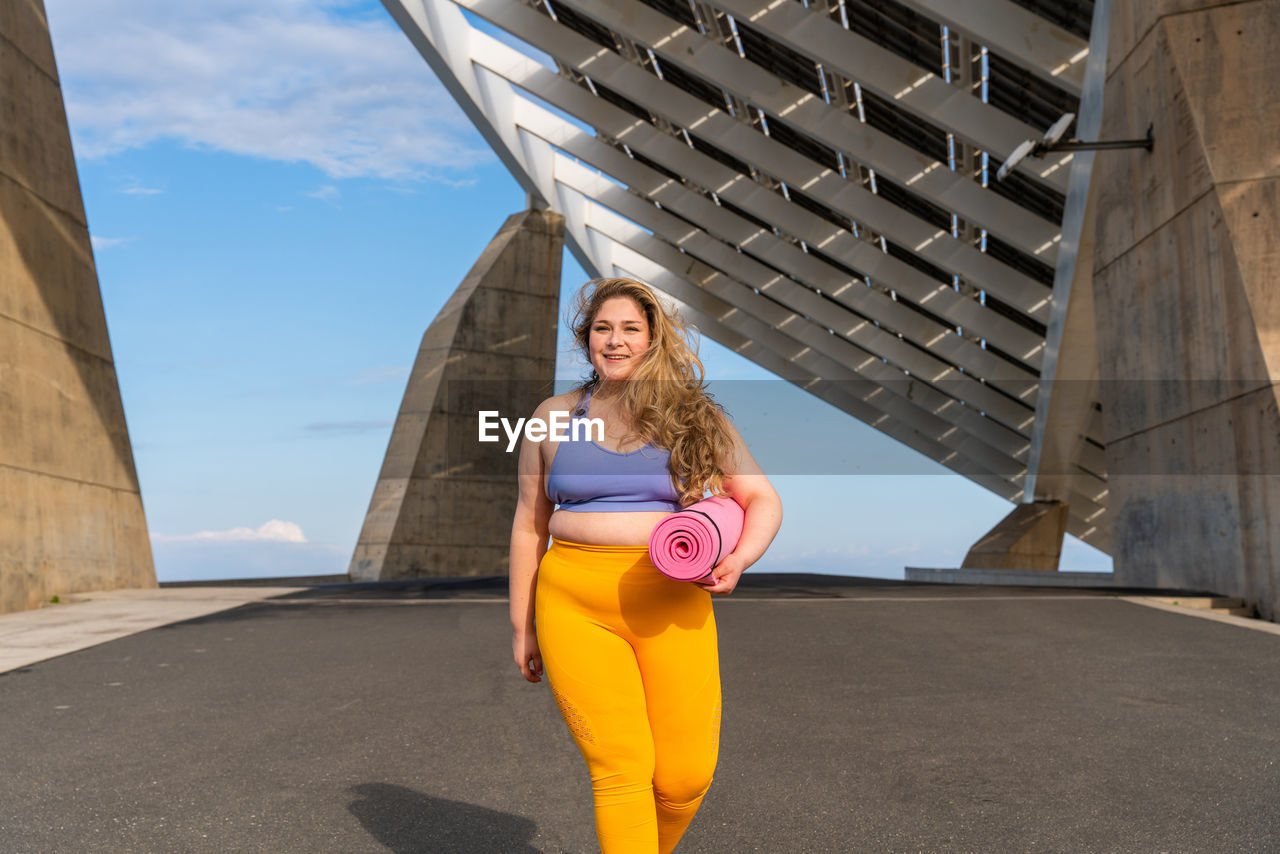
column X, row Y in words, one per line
column 619, row 335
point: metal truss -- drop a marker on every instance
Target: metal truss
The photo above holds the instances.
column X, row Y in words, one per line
column 809, row 193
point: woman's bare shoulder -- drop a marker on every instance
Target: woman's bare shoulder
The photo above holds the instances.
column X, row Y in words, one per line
column 558, row 403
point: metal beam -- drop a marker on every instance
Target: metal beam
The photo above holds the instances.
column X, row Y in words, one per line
column 749, row 195
column 838, row 128
column 876, row 407
column 734, row 230
column 808, row 31
column 856, row 343
column 751, row 146
column 799, row 314
column 728, row 185
column 758, row 339
column 770, row 207
column 1048, row 51
column 538, row 163
column 1063, row 462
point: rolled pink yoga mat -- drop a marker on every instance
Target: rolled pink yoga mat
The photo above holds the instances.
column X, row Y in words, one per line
column 687, row 545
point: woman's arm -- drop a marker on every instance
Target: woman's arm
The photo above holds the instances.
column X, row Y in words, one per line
column 747, row 485
column 529, row 532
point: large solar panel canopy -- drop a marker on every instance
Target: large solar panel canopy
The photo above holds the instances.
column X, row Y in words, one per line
column 815, row 184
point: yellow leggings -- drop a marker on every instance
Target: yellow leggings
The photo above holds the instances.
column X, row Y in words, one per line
column 632, row 660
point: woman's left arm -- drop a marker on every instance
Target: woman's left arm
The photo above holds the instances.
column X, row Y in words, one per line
column 747, row 485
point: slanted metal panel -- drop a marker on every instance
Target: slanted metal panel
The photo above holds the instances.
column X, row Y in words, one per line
column 808, row 313
column 802, row 365
column 779, row 316
column 949, row 447
column 799, row 364
column 809, row 271
column 727, row 184
column 539, row 164
column 809, row 31
column 813, row 319
column 833, row 126
column 729, row 227
column 750, row 146
column 1050, row 52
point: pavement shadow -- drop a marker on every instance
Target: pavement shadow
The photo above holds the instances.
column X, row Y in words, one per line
column 269, row 609
column 409, row 822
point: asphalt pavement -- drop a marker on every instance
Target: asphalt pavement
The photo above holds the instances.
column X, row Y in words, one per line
column 858, row 717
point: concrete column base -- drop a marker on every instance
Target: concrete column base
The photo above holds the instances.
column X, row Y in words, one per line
column 1030, row 537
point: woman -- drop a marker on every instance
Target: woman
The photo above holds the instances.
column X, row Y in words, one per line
column 631, row 654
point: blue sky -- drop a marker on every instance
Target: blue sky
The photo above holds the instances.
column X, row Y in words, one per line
column 281, row 197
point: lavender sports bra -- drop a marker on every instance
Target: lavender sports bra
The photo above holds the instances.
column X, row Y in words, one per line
column 587, row 478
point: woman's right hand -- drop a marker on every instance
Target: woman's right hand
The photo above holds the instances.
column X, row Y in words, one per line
column 524, row 645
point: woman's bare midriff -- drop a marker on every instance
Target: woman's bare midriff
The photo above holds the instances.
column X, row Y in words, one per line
column 605, row 529
column 598, row 529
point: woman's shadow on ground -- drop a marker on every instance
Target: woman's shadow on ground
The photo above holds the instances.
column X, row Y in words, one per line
column 409, row 822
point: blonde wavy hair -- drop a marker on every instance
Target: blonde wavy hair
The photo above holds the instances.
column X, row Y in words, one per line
column 665, row 394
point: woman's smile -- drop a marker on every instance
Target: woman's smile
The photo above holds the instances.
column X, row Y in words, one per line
column 619, row 332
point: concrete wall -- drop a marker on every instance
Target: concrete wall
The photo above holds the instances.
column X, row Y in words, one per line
column 444, row 501
column 1187, row 290
column 71, row 514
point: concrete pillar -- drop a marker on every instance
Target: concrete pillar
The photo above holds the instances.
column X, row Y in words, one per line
column 444, row 501
column 1186, row 298
column 70, row 509
column 1030, row 537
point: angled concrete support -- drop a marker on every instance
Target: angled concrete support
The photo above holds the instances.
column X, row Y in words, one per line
column 444, row 501
column 1188, row 319
column 1030, row 537
column 70, row 508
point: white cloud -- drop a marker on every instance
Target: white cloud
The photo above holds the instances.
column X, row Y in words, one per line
column 101, row 243
column 273, row 531
column 203, row 560
column 327, row 193
column 142, row 191
column 334, row 84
